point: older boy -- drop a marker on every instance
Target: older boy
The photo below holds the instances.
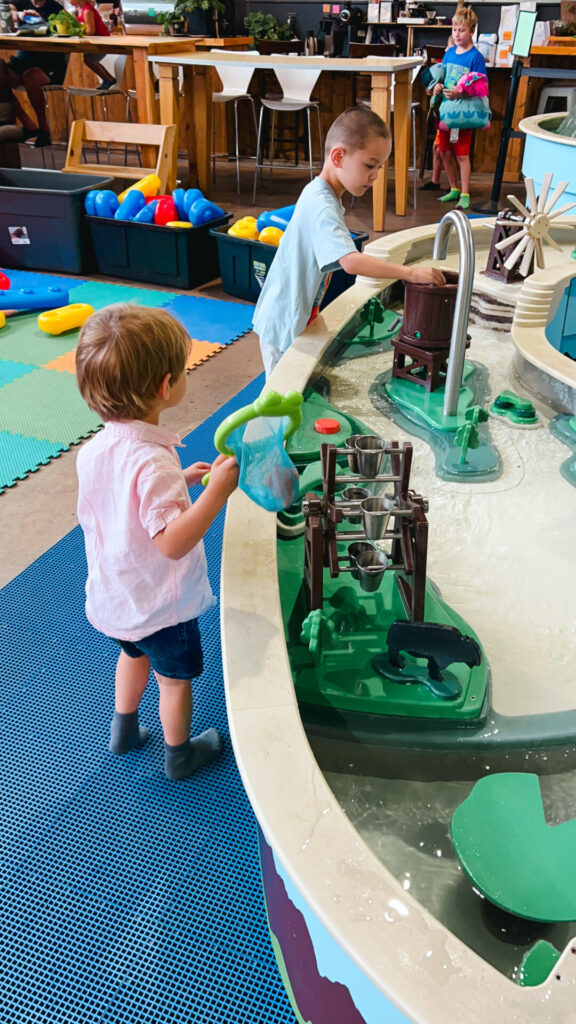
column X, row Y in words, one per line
column 455, row 144
column 317, row 240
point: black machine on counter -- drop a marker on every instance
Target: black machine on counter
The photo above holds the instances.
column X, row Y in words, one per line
column 337, row 31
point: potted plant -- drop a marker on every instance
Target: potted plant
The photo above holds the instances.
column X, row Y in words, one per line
column 65, row 24
column 266, row 26
column 195, row 16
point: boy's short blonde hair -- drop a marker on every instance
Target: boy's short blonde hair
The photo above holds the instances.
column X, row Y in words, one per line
column 123, row 353
column 353, row 128
column 465, row 16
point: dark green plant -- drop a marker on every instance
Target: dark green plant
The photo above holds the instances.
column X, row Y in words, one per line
column 266, row 26
column 183, row 7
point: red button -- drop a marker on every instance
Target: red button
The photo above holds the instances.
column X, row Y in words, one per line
column 327, row 427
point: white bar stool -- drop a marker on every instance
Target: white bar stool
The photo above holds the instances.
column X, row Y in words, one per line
column 296, row 85
column 235, row 81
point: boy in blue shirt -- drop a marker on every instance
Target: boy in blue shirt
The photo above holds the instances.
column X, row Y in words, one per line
column 455, row 144
column 317, row 241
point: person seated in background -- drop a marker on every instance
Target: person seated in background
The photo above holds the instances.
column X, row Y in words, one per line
column 34, row 70
column 89, row 15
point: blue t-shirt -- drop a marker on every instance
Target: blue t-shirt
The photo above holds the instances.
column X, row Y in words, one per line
column 470, row 60
column 314, row 241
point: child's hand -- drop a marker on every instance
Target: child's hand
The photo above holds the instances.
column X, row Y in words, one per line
column 223, row 476
column 452, row 94
column 438, row 88
column 194, row 473
column 426, row 275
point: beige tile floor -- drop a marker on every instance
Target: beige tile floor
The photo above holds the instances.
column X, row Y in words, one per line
column 38, row 511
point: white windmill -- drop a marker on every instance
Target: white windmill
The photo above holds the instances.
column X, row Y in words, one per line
column 536, row 226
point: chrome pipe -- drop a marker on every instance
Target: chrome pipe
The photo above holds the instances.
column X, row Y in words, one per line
column 459, row 221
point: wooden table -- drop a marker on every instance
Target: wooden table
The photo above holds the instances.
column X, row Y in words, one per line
column 385, row 72
column 139, row 47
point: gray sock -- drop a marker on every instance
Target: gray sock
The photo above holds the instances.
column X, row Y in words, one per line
column 125, row 734
column 185, row 758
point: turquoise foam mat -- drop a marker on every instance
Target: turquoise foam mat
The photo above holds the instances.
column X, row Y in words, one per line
column 126, row 899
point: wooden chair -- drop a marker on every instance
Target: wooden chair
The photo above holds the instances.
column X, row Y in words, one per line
column 284, row 46
column 157, row 142
column 372, row 50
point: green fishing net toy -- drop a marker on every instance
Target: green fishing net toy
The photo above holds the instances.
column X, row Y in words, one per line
column 255, row 434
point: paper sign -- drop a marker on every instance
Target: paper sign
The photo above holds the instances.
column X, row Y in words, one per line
column 335, row 8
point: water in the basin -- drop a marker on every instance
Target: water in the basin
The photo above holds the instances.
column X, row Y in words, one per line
column 407, row 826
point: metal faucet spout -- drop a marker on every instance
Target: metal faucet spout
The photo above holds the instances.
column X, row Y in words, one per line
column 457, row 220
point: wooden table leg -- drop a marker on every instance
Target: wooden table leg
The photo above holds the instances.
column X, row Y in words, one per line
column 380, row 103
column 202, row 124
column 170, row 110
column 402, row 130
column 145, row 99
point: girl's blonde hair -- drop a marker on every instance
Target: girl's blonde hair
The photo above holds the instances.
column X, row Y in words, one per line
column 124, row 352
column 465, row 16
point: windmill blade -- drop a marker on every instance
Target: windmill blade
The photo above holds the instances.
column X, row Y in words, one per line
column 531, row 194
column 525, row 265
column 546, row 182
column 506, row 242
column 521, row 209
column 540, row 254
column 515, row 256
column 560, row 210
column 560, row 187
column 551, row 241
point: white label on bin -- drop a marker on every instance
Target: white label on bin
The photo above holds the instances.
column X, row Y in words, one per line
column 260, row 270
column 19, row 236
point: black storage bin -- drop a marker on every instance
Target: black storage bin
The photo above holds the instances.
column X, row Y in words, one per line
column 42, row 223
column 177, row 257
column 244, row 265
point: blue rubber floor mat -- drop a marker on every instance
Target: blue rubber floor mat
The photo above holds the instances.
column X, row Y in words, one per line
column 126, row 899
column 33, row 278
column 211, row 319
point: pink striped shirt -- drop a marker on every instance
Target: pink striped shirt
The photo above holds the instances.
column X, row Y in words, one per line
column 131, row 485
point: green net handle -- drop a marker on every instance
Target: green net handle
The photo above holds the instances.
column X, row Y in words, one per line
column 270, row 403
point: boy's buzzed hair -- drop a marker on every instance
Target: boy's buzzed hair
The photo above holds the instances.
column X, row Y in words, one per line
column 124, row 351
column 353, row 128
column 465, row 16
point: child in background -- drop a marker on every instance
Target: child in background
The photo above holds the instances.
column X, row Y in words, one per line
column 147, row 580
column 90, row 16
column 455, row 144
column 317, row 241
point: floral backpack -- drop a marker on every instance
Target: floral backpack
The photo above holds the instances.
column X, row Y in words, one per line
column 472, row 109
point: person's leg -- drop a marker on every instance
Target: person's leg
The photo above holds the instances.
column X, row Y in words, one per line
column 270, row 357
column 25, row 120
column 182, row 755
column 437, row 164
column 464, row 164
column 91, row 61
column 450, row 165
column 131, row 679
column 34, row 80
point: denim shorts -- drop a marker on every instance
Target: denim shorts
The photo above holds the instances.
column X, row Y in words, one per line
column 174, row 652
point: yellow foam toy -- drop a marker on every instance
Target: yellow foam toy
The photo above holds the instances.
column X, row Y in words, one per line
column 65, row 318
column 148, row 186
column 2, row 319
column 179, row 224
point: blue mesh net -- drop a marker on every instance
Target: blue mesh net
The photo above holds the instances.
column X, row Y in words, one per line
column 267, row 474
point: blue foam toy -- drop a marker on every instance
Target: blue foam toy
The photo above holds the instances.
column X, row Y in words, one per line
column 179, row 195
column 33, row 298
column 90, row 202
column 190, row 197
column 130, row 206
column 146, row 214
column 105, row 203
column 275, row 218
column 203, row 211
